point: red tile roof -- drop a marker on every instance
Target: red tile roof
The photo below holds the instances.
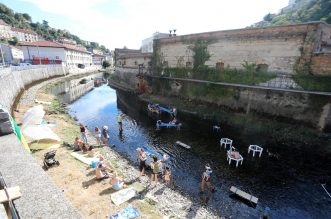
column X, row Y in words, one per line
column 23, row 30
column 3, row 23
column 43, row 43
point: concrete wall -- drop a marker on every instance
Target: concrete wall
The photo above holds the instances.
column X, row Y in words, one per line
column 283, row 48
column 12, row 82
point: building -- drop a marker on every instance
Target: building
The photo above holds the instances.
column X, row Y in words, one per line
column 11, row 54
column 47, row 52
column 119, row 55
column 24, row 35
column 98, row 59
column 134, row 60
column 147, row 44
column 5, row 31
column 94, row 51
column 280, row 49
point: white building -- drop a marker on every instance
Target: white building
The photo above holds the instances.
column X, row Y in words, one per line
column 11, row 54
column 47, row 52
column 98, row 59
column 147, row 44
column 24, row 35
column 5, row 32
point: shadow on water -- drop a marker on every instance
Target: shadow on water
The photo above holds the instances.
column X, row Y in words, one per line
column 286, row 178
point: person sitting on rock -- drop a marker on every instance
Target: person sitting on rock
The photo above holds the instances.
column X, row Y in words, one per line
column 77, row 144
column 115, row 181
column 100, row 172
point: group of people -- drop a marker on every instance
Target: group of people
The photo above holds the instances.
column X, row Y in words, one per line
column 159, row 167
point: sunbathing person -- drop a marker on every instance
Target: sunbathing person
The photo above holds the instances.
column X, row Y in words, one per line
column 116, row 182
column 77, row 144
column 91, row 152
column 100, row 172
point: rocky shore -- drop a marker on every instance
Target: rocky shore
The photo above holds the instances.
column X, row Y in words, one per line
column 162, row 201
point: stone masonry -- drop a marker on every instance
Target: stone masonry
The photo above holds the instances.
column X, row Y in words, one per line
column 283, row 49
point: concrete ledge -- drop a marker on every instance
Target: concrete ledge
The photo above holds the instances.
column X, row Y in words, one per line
column 40, row 197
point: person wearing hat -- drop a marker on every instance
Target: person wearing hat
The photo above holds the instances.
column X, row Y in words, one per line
column 206, row 177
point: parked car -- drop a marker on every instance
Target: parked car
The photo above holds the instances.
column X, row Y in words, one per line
column 24, row 64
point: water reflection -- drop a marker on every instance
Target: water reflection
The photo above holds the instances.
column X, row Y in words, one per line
column 280, row 182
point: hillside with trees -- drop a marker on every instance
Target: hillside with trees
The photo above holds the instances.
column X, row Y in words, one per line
column 24, row 21
column 301, row 11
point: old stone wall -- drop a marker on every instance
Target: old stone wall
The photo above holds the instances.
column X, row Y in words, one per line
column 12, row 82
column 127, row 77
column 284, row 49
column 294, row 106
column 321, row 64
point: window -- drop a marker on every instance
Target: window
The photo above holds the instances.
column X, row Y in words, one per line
column 56, row 57
column 220, row 65
column 262, row 67
column 188, row 64
column 135, row 62
column 165, row 64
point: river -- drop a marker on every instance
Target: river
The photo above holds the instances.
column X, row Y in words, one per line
column 287, row 180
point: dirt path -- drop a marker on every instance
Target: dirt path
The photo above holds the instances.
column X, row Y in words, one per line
column 77, row 180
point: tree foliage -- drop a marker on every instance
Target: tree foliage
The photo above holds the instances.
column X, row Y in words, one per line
column 105, row 64
column 201, row 54
column 304, row 11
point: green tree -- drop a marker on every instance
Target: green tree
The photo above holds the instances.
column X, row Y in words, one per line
column 201, row 54
column 105, row 64
column 27, row 17
column 45, row 24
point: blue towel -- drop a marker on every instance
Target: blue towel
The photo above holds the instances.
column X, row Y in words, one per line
column 126, row 213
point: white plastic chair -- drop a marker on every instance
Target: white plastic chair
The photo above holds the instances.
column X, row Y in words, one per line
column 255, row 148
column 226, row 142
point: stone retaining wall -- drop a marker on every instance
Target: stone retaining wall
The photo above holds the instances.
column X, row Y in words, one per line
column 12, row 82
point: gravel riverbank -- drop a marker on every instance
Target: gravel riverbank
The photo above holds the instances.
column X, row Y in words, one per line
column 71, row 176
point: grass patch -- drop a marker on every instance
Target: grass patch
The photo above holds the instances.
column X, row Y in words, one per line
column 313, row 83
column 237, row 76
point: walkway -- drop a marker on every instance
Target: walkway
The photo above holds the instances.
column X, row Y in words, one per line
column 40, row 197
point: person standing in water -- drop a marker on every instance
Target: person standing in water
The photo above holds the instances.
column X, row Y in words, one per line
column 119, row 120
column 142, row 162
column 206, row 178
